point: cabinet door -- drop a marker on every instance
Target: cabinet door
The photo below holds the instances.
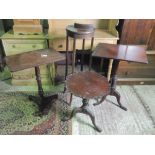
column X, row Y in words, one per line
column 136, row 31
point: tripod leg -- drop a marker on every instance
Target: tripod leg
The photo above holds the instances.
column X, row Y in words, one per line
column 102, row 99
column 118, row 97
column 74, row 111
column 88, row 112
column 71, row 97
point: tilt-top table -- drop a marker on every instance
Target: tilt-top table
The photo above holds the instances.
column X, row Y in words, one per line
column 34, row 59
column 131, row 53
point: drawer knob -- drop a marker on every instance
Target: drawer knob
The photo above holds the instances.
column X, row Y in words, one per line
column 126, row 73
column 34, row 46
column 60, row 46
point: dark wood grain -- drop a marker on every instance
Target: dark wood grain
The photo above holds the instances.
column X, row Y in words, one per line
column 35, row 59
column 131, row 53
column 88, row 84
column 78, row 31
column 121, row 52
column 151, row 41
column 31, row 59
column 136, row 31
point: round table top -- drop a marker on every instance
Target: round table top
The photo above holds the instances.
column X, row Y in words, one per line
column 79, row 31
column 88, row 85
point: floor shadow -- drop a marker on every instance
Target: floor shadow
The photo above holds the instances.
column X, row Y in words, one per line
column 112, row 102
column 83, row 122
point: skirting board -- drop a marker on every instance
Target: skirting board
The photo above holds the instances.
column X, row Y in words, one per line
column 136, row 81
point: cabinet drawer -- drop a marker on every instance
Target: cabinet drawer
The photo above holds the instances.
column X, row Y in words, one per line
column 12, row 47
column 137, row 70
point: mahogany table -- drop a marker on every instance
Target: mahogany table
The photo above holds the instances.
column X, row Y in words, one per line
column 35, row 59
column 132, row 53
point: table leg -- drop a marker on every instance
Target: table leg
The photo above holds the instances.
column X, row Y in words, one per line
column 113, row 81
column 101, row 100
column 109, row 69
column 67, row 48
column 44, row 102
column 84, row 109
column 101, row 65
column 82, row 54
column 66, row 66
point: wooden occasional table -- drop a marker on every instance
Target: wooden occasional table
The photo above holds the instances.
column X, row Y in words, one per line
column 131, row 53
column 35, row 59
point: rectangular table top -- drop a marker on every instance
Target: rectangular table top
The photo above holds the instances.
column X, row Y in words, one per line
column 33, row 58
column 133, row 53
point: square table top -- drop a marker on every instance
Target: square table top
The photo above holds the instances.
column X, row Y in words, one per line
column 32, row 59
column 133, row 53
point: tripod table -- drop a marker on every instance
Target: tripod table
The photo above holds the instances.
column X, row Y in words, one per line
column 35, row 59
column 131, row 53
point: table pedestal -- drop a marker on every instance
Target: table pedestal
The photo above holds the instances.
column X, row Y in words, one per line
column 44, row 102
column 113, row 91
column 84, row 109
column 130, row 53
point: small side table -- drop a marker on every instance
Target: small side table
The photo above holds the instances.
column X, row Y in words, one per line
column 35, row 59
column 131, row 53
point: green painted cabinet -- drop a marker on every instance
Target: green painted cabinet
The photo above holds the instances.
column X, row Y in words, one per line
column 12, row 46
column 16, row 44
